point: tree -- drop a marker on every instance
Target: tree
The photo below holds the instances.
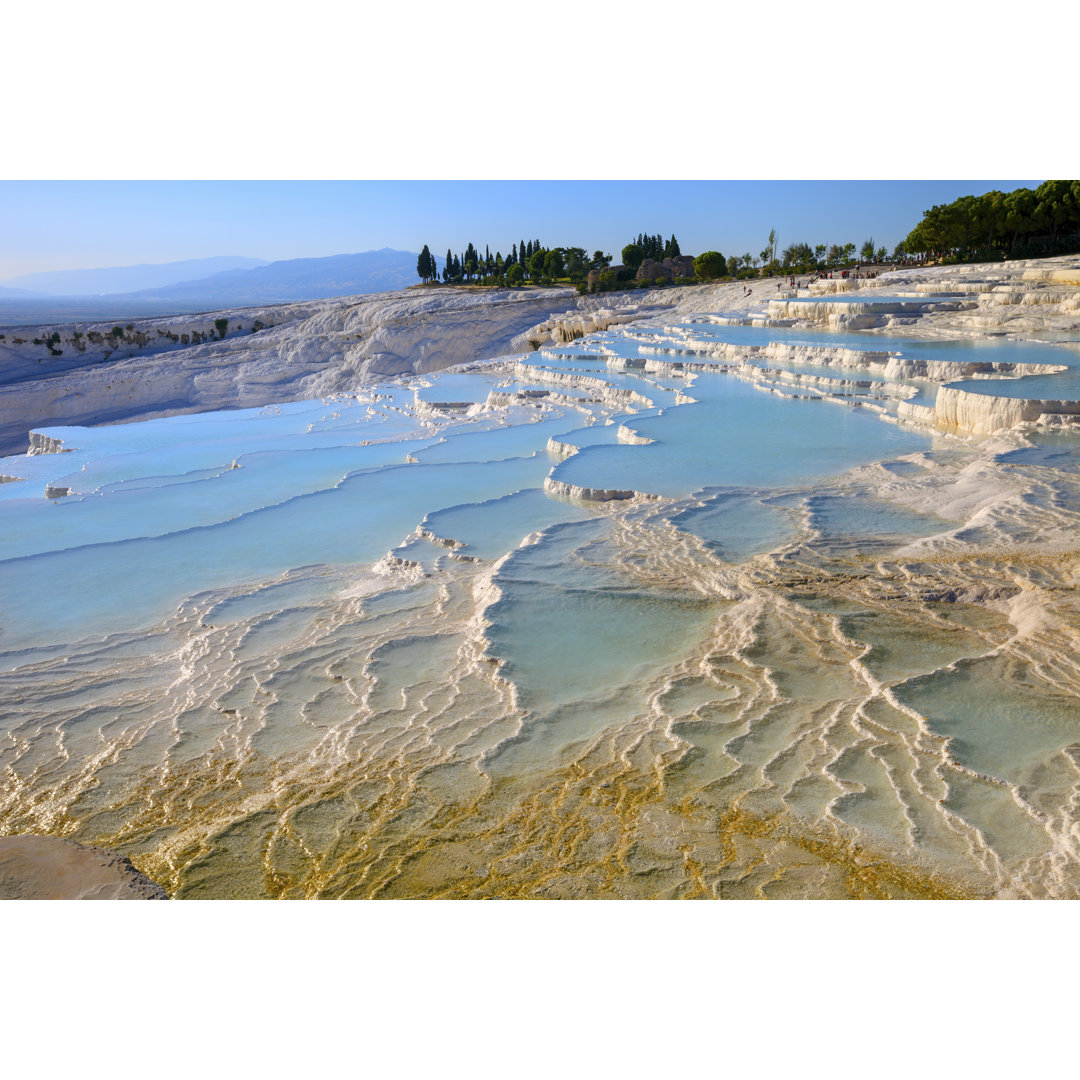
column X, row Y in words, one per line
column 733, row 265
column 425, row 265
column 1019, row 213
column 553, row 264
column 772, row 246
column 448, row 266
column 866, row 252
column 992, row 215
column 671, row 248
column 1056, row 206
column 882, row 254
column 798, row 257
column 915, row 243
column 515, row 275
column 536, row 265
column 633, row 256
column 847, row 253
column 600, row 261
column 709, row 265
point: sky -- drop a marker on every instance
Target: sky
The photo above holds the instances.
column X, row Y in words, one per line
column 81, row 224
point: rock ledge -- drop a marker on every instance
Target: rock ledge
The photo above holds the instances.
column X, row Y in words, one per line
column 48, row 868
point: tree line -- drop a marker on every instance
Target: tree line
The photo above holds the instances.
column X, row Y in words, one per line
column 1024, row 223
column 796, row 258
column 529, row 261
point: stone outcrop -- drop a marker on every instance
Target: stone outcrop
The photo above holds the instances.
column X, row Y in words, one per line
column 681, row 266
column 650, row 270
column 678, row 266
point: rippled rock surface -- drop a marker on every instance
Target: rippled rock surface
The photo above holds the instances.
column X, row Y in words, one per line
column 683, row 607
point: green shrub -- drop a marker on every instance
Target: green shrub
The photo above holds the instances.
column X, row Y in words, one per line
column 222, row 326
column 709, row 265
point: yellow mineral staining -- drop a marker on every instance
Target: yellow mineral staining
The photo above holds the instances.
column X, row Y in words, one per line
column 596, row 828
column 866, row 872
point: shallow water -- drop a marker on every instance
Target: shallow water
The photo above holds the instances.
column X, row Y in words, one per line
column 374, row 647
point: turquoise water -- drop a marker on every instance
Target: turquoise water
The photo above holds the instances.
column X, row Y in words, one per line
column 103, row 587
column 737, row 436
column 489, row 530
column 737, row 525
column 962, row 350
column 166, row 508
column 1063, row 386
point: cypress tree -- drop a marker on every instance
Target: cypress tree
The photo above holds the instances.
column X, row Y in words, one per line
column 423, row 265
column 448, row 266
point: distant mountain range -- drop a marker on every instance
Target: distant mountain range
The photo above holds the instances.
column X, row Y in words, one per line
column 124, row 279
column 7, row 293
column 298, row 279
column 256, row 283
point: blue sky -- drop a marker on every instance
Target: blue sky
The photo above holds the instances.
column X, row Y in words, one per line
column 71, row 224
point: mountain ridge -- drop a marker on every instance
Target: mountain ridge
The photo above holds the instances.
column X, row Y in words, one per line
column 307, row 278
column 116, row 280
column 284, row 281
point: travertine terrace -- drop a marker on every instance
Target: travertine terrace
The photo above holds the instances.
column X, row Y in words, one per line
column 678, row 593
